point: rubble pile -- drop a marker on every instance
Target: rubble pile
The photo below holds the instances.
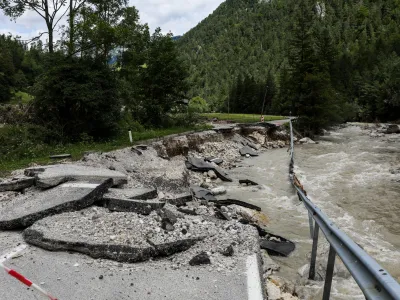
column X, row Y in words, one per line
column 148, row 201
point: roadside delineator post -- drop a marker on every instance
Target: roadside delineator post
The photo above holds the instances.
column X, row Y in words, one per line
column 20, row 277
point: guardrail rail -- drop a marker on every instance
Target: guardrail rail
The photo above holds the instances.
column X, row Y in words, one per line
column 374, row 281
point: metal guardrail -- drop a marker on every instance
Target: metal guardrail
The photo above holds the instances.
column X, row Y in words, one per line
column 374, row 281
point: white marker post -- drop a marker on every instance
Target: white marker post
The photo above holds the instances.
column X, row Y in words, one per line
column 130, row 136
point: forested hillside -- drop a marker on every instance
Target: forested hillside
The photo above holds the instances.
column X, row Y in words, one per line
column 344, row 52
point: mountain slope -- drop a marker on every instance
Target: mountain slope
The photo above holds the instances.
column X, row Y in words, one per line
column 240, row 37
column 254, row 37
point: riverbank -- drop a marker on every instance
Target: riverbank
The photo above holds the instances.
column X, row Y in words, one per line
column 22, row 152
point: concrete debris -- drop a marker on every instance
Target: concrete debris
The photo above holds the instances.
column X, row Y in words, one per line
column 53, row 175
column 137, row 193
column 214, row 160
column 61, row 156
column 277, row 246
column 179, row 199
column 306, row 140
column 199, row 165
column 247, row 182
column 251, row 216
column 16, row 184
column 202, row 194
column 25, row 210
column 246, row 150
column 394, row 171
column 218, row 190
column 219, row 213
column 200, row 259
column 143, row 207
column 128, row 237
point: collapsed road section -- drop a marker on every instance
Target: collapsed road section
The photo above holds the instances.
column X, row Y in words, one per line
column 167, row 211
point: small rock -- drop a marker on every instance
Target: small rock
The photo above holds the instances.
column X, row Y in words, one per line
column 229, row 251
column 101, row 277
column 212, row 175
column 306, row 140
column 166, row 225
column 76, row 265
column 200, row 259
column 218, row 190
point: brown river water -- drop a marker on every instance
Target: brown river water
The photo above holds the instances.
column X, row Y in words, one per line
column 347, row 175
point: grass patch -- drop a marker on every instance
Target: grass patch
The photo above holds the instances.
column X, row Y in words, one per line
column 241, row 118
column 21, row 97
column 21, row 156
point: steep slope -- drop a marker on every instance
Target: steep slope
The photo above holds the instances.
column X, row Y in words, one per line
column 251, row 38
column 244, row 37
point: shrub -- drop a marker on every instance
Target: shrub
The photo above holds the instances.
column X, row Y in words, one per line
column 78, row 97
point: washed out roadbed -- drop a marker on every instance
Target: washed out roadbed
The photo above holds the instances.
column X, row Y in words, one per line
column 160, row 203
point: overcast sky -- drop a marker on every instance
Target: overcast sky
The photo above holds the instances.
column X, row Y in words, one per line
column 177, row 16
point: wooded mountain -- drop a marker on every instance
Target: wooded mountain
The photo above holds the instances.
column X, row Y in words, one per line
column 357, row 40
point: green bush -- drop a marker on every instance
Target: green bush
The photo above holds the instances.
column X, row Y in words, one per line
column 198, row 105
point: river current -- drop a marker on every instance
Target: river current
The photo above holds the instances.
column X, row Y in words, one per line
column 347, row 174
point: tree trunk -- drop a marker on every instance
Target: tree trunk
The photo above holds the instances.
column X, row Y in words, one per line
column 49, row 24
column 71, row 28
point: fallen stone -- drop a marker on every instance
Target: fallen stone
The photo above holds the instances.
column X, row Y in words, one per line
column 218, row 190
column 212, row 175
column 180, row 199
column 253, row 217
column 136, row 194
column 23, row 211
column 168, row 212
column 200, row 259
column 214, row 160
column 16, row 184
column 220, row 203
column 167, row 225
column 247, row 182
column 60, row 156
column 142, row 207
column 202, row 194
column 306, row 140
column 277, row 246
column 392, row 129
column 246, row 150
column 228, row 251
column 53, row 175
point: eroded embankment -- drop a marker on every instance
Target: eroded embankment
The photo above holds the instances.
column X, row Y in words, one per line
column 167, row 201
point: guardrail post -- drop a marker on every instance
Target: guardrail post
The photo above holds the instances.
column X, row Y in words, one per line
column 314, row 252
column 311, row 222
column 329, row 273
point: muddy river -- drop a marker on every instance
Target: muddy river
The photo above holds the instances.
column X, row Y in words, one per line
column 348, row 176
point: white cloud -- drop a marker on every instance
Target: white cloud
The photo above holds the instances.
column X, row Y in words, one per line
column 177, row 16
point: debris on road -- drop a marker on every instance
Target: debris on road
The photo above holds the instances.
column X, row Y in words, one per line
column 16, row 184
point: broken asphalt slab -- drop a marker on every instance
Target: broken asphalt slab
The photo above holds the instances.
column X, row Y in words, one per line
column 246, row 150
column 203, row 194
column 143, row 207
column 179, row 199
column 137, row 193
column 16, row 184
column 53, row 175
column 199, row 165
column 127, row 237
column 76, row 276
column 24, row 210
